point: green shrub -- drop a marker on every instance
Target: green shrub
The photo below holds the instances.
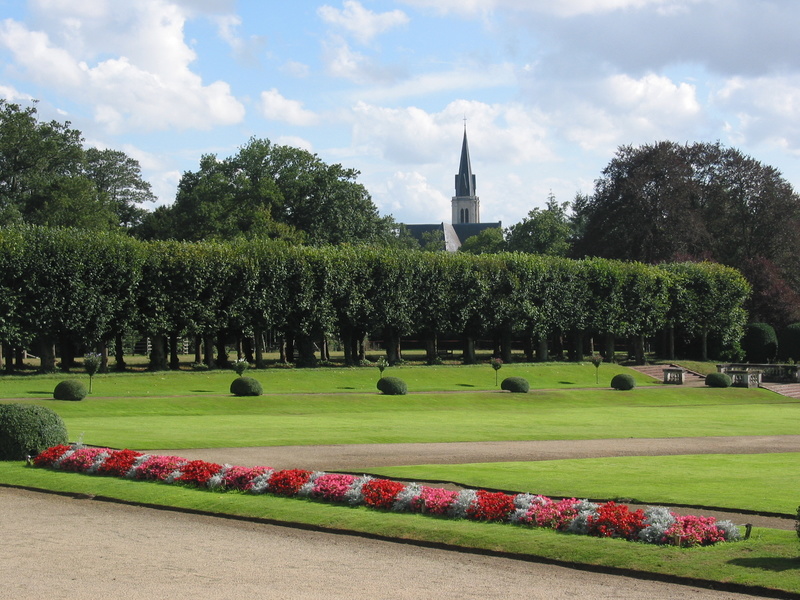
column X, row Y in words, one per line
column 515, row 385
column 623, row 381
column 246, row 386
column 392, row 386
column 28, row 429
column 719, row 380
column 789, row 342
column 760, row 343
column 70, row 389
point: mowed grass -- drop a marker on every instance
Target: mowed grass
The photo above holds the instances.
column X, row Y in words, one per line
column 757, row 482
column 322, row 380
column 359, row 418
column 769, row 559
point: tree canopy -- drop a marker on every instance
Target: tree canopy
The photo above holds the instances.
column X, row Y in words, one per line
column 47, row 178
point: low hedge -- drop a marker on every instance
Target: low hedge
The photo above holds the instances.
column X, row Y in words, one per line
column 718, row 380
column 515, row 385
column 623, row 381
column 28, row 429
column 70, row 389
column 392, row 386
column 246, row 386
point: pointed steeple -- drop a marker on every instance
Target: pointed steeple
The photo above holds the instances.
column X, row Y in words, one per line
column 465, row 180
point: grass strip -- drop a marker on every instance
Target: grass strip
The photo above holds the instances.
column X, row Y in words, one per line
column 768, row 560
column 757, row 482
column 214, row 421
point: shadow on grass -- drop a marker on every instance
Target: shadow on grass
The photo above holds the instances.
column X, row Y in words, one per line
column 767, row 564
column 345, row 387
column 567, row 382
column 203, row 391
column 39, row 392
column 465, row 385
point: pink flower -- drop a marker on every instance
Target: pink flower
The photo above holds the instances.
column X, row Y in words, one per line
column 332, row 486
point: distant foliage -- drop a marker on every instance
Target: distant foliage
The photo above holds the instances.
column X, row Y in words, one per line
column 760, row 343
column 70, row 389
column 515, row 385
column 246, row 386
column 718, row 380
column 789, row 343
column 392, row 386
column 26, row 428
column 623, row 381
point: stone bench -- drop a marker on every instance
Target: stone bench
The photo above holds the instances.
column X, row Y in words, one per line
column 745, row 379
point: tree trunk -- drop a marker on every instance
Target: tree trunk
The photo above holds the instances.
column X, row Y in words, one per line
column 305, row 346
column 208, row 351
column 19, row 358
column 158, row 353
column 505, row 346
column 469, row 357
column 247, row 349
column 347, row 344
column 542, row 351
column 432, row 348
column 119, row 353
column 671, row 343
column 104, row 356
column 67, row 354
column 259, row 349
column 527, row 345
column 638, row 350
column 392, row 343
column 47, row 354
column 704, row 345
column 289, row 352
column 610, row 344
column 577, row 346
column 198, row 349
column 174, row 359
column 222, row 351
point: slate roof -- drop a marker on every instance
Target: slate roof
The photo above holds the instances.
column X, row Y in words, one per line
column 454, row 235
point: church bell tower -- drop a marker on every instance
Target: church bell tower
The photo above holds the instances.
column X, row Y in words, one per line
column 466, row 205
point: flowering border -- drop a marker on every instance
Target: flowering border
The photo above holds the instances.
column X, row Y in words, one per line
column 653, row 525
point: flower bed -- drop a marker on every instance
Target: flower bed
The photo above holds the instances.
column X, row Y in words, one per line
column 655, row 525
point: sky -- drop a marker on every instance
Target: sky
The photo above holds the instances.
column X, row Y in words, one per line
column 547, row 89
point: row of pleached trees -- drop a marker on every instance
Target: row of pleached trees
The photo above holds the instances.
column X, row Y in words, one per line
column 60, row 286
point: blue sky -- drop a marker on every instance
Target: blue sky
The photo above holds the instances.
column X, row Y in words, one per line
column 550, row 89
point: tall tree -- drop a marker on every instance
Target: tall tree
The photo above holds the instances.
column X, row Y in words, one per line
column 118, row 182
column 543, row 231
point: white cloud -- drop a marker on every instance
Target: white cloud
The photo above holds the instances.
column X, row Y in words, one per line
column 132, row 62
column 763, row 109
column 411, row 193
column 277, row 108
column 296, row 69
column 561, row 8
column 295, row 142
column 361, row 23
column 344, row 62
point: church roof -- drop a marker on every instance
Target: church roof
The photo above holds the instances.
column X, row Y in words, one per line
column 465, row 180
column 454, row 235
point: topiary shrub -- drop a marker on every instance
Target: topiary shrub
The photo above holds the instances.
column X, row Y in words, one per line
column 760, row 343
column 28, row 429
column 246, row 386
column 515, row 385
column 70, row 389
column 789, row 342
column 392, row 386
column 718, row 380
column 623, row 381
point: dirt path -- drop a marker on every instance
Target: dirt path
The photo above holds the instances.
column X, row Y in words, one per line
column 62, row 548
column 353, row 457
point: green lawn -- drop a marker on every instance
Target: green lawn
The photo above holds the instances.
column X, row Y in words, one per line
column 322, row 380
column 759, row 482
column 337, row 406
column 302, row 419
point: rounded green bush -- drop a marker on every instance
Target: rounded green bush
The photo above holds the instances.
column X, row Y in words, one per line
column 515, row 385
column 28, row 429
column 719, row 380
column 623, row 381
column 70, row 389
column 246, row 386
column 392, row 386
column 760, row 343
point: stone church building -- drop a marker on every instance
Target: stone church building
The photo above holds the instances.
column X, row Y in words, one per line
column 466, row 209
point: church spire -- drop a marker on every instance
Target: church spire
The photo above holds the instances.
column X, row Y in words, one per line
column 465, row 204
column 465, row 180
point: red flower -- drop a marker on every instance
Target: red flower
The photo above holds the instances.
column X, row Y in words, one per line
column 49, row 456
column 491, row 506
column 288, row 482
column 381, row 493
column 616, row 520
column 118, row 463
column 198, row 472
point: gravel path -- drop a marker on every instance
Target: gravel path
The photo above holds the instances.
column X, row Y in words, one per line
column 63, row 548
